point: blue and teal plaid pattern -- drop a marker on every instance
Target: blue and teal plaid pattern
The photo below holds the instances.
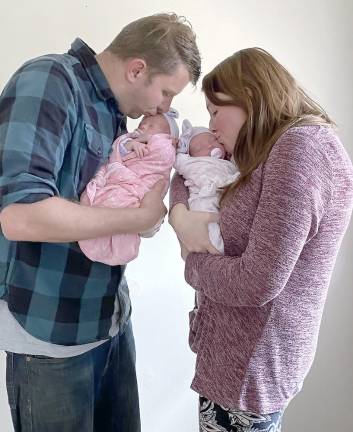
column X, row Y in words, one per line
column 58, row 119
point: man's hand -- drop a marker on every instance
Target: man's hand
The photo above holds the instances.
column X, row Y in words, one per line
column 153, row 206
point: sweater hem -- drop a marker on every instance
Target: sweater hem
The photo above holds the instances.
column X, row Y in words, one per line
column 241, row 404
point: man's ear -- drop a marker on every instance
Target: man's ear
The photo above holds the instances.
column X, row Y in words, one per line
column 135, row 69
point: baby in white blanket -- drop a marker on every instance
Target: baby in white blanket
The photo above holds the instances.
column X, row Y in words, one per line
column 200, row 160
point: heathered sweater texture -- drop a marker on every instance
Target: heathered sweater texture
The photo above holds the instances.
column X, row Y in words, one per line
column 256, row 328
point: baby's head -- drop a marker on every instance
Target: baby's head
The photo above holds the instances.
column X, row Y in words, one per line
column 199, row 141
column 206, row 144
column 154, row 125
column 160, row 123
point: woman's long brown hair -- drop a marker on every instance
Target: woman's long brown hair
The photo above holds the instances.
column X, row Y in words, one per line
column 271, row 98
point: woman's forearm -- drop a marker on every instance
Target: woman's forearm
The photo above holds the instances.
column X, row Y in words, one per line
column 177, row 212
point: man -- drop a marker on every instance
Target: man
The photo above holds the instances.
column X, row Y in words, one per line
column 64, row 319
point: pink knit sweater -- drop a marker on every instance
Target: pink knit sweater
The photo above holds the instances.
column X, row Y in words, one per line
column 256, row 329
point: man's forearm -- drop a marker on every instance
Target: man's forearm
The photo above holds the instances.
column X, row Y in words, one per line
column 58, row 220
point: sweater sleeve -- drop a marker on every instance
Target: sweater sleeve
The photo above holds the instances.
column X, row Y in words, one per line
column 178, row 191
column 296, row 188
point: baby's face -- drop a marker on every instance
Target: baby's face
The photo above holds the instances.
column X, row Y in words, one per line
column 203, row 144
column 154, row 125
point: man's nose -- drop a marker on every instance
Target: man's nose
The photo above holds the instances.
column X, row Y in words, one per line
column 165, row 105
column 151, row 113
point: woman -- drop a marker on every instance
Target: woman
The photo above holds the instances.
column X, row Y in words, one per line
column 259, row 306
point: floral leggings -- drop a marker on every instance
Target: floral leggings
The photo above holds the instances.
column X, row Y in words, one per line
column 216, row 418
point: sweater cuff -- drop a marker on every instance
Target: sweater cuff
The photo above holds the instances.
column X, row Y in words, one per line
column 193, row 268
column 178, row 192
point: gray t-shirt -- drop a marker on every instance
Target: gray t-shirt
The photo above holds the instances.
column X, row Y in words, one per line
column 14, row 338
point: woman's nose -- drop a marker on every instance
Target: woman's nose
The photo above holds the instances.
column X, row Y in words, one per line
column 212, row 127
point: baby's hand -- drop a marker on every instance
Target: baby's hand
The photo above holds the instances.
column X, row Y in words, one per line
column 139, row 148
column 143, row 137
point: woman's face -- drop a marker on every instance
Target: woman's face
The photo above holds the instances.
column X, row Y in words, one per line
column 226, row 121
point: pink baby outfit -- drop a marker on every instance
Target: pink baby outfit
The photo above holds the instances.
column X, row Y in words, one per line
column 123, row 183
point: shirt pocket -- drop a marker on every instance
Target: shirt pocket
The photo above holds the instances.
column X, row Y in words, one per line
column 93, row 151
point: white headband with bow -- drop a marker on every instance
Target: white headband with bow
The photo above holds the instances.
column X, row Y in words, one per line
column 187, row 133
column 170, row 116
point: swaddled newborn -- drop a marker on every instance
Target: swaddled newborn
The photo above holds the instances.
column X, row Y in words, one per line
column 200, row 160
column 137, row 161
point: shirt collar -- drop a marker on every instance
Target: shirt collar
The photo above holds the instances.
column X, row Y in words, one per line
column 86, row 56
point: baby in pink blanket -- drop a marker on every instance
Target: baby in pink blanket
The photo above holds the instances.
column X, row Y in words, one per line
column 137, row 161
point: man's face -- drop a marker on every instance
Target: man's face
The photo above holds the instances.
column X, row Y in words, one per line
column 149, row 96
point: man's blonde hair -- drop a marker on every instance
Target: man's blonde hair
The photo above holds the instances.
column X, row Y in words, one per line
column 164, row 41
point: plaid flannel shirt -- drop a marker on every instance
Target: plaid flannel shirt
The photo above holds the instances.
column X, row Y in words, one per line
column 58, row 119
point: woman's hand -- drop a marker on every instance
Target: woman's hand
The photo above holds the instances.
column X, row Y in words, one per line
column 191, row 228
column 183, row 251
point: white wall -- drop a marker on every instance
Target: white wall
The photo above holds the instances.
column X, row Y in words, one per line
column 314, row 40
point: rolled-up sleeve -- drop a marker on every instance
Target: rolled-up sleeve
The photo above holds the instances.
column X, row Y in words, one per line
column 37, row 117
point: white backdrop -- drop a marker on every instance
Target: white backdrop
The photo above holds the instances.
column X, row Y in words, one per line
column 314, row 40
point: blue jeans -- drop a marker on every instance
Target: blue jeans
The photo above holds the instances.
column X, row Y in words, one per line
column 95, row 391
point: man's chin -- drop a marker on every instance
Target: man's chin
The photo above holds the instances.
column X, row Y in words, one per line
column 138, row 114
column 134, row 115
